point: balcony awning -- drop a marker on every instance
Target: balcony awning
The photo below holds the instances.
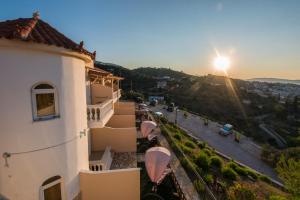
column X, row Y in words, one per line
column 116, row 77
column 98, row 72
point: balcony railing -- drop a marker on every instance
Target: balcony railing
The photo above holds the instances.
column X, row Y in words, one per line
column 98, row 113
column 116, row 95
column 103, row 162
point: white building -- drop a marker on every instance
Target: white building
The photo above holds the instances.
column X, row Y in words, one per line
column 45, row 144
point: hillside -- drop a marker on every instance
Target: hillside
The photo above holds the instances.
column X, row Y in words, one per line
column 219, row 98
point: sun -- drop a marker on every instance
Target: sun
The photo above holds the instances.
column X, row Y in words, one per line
column 222, row 63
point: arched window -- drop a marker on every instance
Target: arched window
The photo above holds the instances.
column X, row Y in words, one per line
column 44, row 101
column 52, row 189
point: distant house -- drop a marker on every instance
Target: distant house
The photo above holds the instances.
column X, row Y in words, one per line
column 158, row 98
column 162, row 84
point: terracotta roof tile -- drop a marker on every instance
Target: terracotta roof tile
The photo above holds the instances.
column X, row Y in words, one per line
column 36, row 30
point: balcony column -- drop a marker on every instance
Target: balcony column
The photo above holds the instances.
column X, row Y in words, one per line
column 102, row 81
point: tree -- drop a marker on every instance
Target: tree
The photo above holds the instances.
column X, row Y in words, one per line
column 289, row 172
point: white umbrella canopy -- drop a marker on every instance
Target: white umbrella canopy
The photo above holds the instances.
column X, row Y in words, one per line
column 147, row 127
column 156, row 161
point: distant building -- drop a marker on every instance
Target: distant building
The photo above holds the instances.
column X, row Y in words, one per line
column 158, row 98
column 162, row 84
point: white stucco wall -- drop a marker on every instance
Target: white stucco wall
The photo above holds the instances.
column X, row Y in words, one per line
column 19, row 70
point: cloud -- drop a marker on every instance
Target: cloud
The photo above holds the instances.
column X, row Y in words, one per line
column 219, row 7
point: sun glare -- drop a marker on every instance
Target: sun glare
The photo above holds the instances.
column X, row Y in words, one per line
column 222, row 63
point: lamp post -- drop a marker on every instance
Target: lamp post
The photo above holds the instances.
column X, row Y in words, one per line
column 176, row 109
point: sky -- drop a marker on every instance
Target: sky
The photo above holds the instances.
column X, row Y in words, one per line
column 260, row 37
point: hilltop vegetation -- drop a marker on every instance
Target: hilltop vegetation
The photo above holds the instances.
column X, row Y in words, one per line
column 218, row 98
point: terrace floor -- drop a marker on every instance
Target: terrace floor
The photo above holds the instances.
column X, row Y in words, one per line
column 124, row 160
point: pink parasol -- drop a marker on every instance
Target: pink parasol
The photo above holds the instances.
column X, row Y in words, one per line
column 147, row 127
column 156, row 161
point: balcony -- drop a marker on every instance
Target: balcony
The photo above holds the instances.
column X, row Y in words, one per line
column 110, row 184
column 124, row 108
column 116, row 95
column 99, row 114
column 110, row 160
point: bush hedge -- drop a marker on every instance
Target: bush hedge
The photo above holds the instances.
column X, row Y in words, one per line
column 202, row 161
column 208, row 178
column 216, row 161
column 177, row 137
column 190, row 144
column 229, row 174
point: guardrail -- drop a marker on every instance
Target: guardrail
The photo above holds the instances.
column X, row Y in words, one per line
column 178, row 188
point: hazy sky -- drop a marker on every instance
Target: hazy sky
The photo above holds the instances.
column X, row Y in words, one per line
column 262, row 38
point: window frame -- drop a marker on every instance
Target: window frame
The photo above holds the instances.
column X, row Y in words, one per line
column 34, row 92
column 57, row 181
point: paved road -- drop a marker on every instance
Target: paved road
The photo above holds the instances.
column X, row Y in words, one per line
column 245, row 152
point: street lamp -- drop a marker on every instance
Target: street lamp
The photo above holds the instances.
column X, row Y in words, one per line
column 176, row 109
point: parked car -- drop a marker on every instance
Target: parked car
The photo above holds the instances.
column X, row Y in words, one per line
column 154, row 102
column 171, row 107
column 226, row 129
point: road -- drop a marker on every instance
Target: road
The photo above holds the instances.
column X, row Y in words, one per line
column 245, row 152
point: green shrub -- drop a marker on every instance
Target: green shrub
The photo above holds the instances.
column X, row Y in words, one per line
column 264, row 178
column 202, row 161
column 216, row 162
column 229, row 174
column 276, row 197
column 242, row 171
column 163, row 120
column 252, row 174
column 207, row 151
column 186, row 150
column 184, row 162
column 177, row 137
column 232, row 165
column 199, row 186
column 238, row 192
column 201, row 145
column 190, row 144
column 208, row 178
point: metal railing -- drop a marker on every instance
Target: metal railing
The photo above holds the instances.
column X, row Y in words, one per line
column 177, row 185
